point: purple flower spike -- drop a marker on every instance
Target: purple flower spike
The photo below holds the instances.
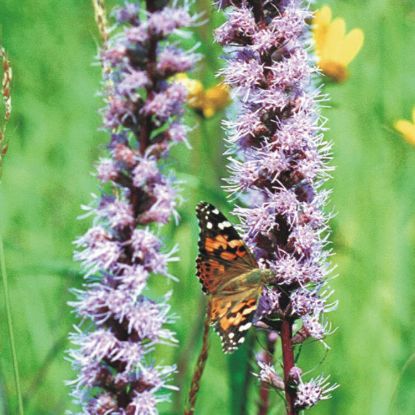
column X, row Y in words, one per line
column 278, row 163
column 121, row 252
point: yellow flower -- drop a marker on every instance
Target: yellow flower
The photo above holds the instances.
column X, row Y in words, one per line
column 205, row 101
column 407, row 128
column 334, row 48
column 194, row 87
column 215, row 99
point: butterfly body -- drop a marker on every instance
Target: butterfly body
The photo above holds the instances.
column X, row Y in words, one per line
column 229, row 275
column 241, row 283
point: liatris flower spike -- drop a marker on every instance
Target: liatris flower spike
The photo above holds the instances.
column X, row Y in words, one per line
column 278, row 163
column 121, row 251
column 335, row 49
column 407, row 128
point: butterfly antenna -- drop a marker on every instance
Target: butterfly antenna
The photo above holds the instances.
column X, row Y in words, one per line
column 200, row 366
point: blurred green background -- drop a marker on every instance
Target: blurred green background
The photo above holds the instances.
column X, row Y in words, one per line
column 54, row 143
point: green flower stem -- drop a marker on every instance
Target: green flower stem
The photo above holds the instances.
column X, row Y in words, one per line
column 10, row 328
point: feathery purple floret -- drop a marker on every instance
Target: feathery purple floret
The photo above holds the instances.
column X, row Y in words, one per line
column 121, row 251
column 278, row 163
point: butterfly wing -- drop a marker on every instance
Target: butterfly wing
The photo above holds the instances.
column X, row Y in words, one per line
column 222, row 253
column 225, row 261
column 232, row 316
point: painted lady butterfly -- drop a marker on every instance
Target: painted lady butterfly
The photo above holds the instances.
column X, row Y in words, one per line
column 229, row 275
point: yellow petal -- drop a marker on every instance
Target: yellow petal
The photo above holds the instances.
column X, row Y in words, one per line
column 197, row 101
column 407, row 129
column 352, row 44
column 337, row 72
column 181, row 76
column 321, row 22
column 322, row 17
column 213, row 100
column 194, row 87
column 208, row 111
column 218, row 95
column 334, row 37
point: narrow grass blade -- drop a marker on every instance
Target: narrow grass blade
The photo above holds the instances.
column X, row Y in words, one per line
column 10, row 328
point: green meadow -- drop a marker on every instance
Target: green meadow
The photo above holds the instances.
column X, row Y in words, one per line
column 55, row 141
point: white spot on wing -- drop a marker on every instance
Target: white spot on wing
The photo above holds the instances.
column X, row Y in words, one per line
column 224, row 225
column 245, row 326
column 209, row 225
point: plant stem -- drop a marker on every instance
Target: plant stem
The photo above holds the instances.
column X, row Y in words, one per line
column 206, row 35
column 101, row 19
column 147, row 124
column 407, row 364
column 286, row 326
column 37, row 379
column 288, row 364
column 200, row 366
column 258, row 10
column 240, row 374
column 10, row 328
column 182, row 358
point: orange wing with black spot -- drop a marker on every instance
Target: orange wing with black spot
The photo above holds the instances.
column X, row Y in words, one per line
column 222, row 265
column 222, row 253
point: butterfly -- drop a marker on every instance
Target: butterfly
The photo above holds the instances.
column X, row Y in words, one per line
column 230, row 276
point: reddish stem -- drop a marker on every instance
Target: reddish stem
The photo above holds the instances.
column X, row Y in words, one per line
column 258, row 10
column 153, row 5
column 200, row 365
column 187, row 349
column 263, row 399
column 286, row 326
column 147, row 124
column 143, row 135
column 288, row 364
